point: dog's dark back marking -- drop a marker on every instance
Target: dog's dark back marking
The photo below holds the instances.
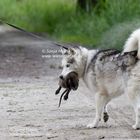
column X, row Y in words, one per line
column 107, row 52
column 102, row 54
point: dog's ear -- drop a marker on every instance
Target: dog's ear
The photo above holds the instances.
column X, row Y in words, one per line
column 68, row 51
column 72, row 51
column 64, row 50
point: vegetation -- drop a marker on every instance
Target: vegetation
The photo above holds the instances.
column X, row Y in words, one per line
column 108, row 25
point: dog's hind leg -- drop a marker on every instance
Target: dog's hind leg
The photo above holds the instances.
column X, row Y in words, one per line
column 134, row 96
column 101, row 101
column 137, row 116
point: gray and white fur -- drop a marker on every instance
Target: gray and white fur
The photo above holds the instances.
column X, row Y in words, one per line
column 108, row 74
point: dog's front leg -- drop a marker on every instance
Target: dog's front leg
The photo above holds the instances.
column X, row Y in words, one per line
column 101, row 101
column 105, row 114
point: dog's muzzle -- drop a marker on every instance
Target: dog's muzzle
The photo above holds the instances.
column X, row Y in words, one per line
column 71, row 81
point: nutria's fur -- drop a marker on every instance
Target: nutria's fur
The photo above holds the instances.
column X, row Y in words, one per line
column 70, row 82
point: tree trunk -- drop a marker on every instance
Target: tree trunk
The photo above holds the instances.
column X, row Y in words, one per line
column 86, row 5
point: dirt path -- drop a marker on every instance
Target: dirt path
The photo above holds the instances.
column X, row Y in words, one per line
column 29, row 109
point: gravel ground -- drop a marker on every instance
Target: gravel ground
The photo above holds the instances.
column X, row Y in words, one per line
column 29, row 109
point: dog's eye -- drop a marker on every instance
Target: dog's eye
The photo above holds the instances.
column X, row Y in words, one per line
column 68, row 65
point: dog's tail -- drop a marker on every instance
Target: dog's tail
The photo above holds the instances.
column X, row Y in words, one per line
column 133, row 43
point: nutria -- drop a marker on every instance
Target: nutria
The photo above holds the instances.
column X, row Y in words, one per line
column 70, row 82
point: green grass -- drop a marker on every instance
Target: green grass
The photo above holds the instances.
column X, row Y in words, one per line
column 116, row 36
column 36, row 15
column 106, row 27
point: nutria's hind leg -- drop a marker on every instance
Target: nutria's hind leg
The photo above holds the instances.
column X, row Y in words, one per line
column 67, row 94
column 58, row 90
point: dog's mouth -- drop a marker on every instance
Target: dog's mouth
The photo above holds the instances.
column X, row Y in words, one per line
column 71, row 81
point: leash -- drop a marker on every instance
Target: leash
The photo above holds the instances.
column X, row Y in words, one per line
column 31, row 34
column 23, row 30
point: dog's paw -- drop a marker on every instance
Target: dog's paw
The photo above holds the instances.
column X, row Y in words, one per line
column 92, row 125
column 105, row 116
column 136, row 127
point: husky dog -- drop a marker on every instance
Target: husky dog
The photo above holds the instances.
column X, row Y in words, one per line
column 108, row 74
column 133, row 43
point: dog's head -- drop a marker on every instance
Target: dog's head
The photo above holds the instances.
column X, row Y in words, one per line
column 73, row 64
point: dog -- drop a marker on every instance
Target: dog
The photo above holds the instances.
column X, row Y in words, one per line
column 107, row 73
